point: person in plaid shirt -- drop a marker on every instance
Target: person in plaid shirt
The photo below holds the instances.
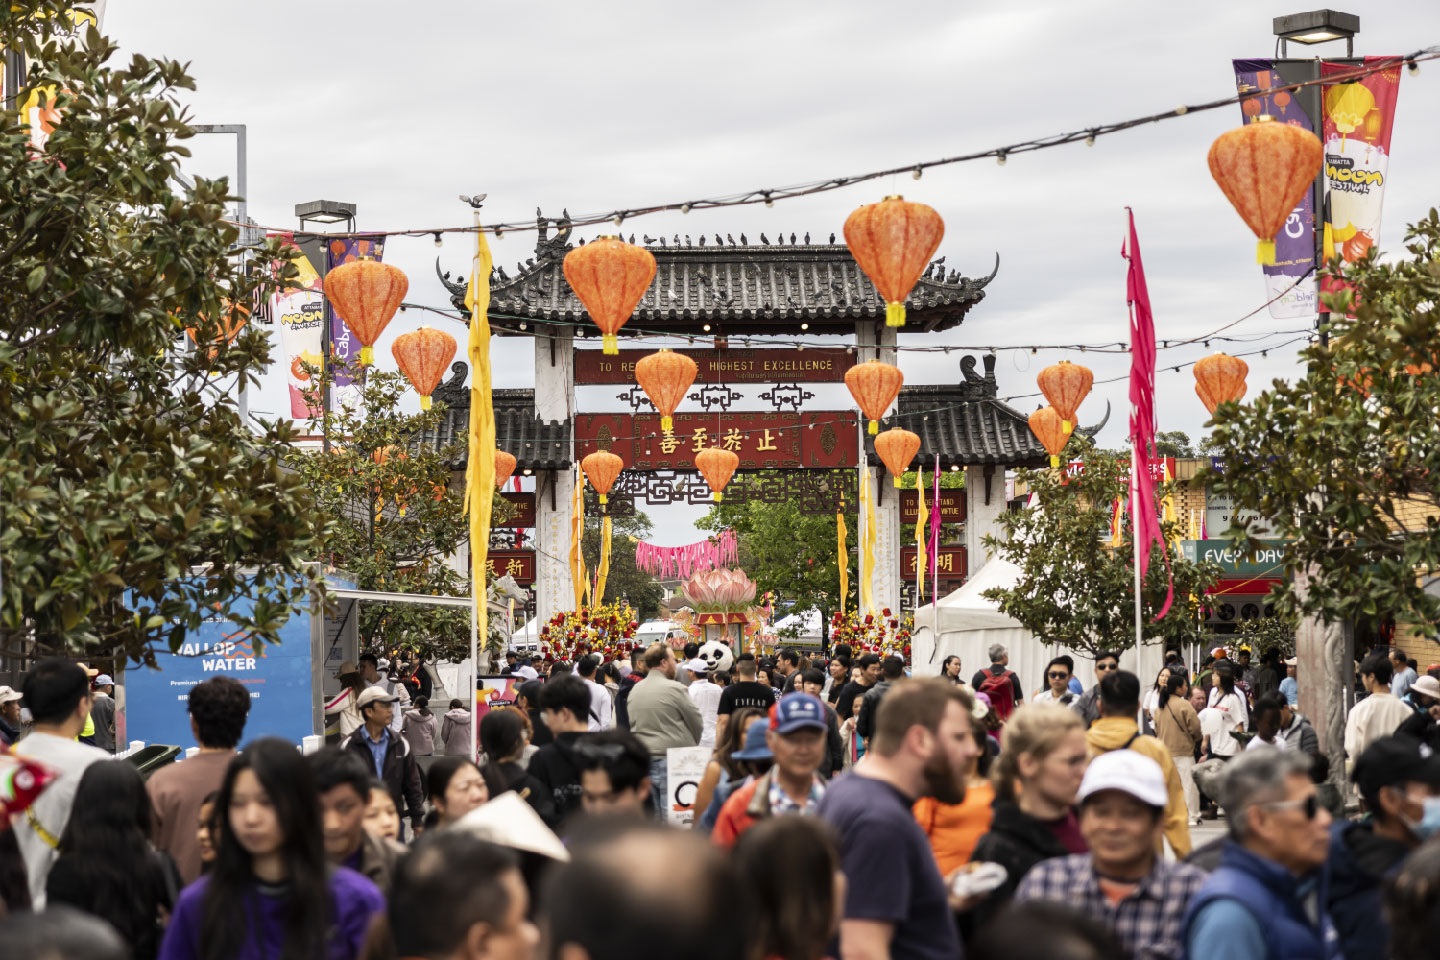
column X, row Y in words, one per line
column 1122, row 882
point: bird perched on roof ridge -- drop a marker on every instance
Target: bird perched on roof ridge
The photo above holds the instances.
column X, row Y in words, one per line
column 765, row 240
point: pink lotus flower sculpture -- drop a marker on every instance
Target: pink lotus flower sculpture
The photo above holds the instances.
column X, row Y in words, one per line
column 720, row 591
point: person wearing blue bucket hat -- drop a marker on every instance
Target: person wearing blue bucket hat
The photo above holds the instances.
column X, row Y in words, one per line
column 795, row 740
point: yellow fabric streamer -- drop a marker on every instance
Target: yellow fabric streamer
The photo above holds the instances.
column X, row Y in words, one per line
column 577, row 530
column 602, row 570
column 867, row 545
column 922, row 517
column 480, row 463
column 842, row 555
column 1168, row 513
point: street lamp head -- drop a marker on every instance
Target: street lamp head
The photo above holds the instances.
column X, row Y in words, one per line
column 324, row 211
column 1317, row 26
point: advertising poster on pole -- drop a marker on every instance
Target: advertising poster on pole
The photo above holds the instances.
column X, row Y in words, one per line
column 300, row 312
column 685, row 768
column 278, row 677
column 344, row 348
column 493, row 692
column 1295, row 244
column 1359, row 116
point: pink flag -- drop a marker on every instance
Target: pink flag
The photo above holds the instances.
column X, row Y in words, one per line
column 1144, row 512
column 932, row 548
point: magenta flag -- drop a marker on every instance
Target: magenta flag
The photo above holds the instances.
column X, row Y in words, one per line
column 932, row 549
column 1144, row 512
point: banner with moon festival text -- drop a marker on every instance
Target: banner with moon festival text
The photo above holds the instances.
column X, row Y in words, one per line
column 1359, row 117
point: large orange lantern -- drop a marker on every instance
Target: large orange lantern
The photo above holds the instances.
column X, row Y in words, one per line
column 874, row 385
column 234, row 320
column 1264, row 169
column 897, row 448
column 1220, row 378
column 1066, row 385
column 609, row 276
column 423, row 356
column 665, row 377
column 893, row 241
column 1050, row 430
column 366, row 294
column 504, row 467
column 717, row 466
column 601, row 468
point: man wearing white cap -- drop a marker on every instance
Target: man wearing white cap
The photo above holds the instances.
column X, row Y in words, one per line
column 1122, row 882
column 387, row 753
column 705, row 694
column 10, row 715
column 102, row 712
column 1290, row 687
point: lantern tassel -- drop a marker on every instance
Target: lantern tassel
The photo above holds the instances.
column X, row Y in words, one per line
column 367, row 356
column 719, row 495
column 667, row 424
column 895, row 314
column 1265, row 253
column 1067, row 426
column 425, row 402
column 610, row 344
column 604, row 499
column 1054, row 462
column 899, row 483
column 874, row 427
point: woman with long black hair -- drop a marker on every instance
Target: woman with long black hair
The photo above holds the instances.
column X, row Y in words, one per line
column 107, row 866
column 270, row 894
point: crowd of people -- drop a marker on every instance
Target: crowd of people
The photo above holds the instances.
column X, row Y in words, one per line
column 848, row 810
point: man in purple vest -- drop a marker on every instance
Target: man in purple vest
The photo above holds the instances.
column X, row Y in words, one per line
column 1268, row 899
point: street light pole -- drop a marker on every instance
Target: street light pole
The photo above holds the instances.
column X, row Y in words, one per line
column 317, row 250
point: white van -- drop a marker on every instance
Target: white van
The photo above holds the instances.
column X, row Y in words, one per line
column 652, row 631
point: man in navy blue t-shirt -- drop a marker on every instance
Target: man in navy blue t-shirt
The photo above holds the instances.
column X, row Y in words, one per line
column 896, row 904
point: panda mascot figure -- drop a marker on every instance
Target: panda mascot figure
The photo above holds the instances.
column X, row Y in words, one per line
column 718, row 657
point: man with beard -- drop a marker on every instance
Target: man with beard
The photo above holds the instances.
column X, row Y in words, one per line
column 896, row 904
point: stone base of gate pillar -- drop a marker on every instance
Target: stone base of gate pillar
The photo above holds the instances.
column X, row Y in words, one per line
column 554, row 587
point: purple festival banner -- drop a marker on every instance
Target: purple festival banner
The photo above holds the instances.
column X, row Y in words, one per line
column 1295, row 244
column 344, row 348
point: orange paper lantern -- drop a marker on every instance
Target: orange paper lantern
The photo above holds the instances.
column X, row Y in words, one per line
column 504, row 467
column 366, row 294
column 1066, row 385
column 609, row 276
column 236, row 316
column 874, row 385
column 893, row 241
column 423, row 356
column 665, row 377
column 897, row 448
column 1264, row 169
column 601, row 468
column 1220, row 378
column 717, row 466
column 1050, row 430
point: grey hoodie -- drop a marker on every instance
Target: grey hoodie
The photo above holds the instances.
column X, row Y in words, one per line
column 455, row 733
column 420, row 729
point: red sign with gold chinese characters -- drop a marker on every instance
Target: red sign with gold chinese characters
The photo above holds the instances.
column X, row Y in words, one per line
column 524, row 504
column 775, row 441
column 519, row 564
column 952, row 506
column 738, row 365
column 952, row 563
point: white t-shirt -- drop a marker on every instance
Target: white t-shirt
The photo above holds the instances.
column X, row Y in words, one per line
column 706, row 697
column 1279, row 743
column 1218, row 723
column 1234, row 703
column 602, row 707
column 68, row 758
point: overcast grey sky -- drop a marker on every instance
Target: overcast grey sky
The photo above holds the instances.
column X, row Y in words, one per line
column 597, row 105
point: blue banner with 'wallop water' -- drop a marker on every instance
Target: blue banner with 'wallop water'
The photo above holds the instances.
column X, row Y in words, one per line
column 278, row 677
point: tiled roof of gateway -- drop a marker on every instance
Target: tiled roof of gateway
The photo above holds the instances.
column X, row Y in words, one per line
column 738, row 286
column 966, row 424
column 537, row 444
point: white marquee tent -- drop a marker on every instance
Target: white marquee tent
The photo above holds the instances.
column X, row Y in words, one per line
column 968, row 624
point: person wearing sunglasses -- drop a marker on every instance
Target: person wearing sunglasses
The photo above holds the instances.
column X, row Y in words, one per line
column 1266, row 900
column 1057, row 682
column 1088, row 704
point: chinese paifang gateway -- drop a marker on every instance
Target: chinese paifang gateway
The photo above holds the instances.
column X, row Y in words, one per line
column 787, row 288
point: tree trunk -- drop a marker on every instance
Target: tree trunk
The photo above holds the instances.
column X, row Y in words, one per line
column 1325, row 675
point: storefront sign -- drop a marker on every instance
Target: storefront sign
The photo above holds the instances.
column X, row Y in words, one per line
column 952, row 506
column 742, row 365
column 951, row 564
column 1267, row 561
column 774, row 441
column 524, row 504
column 1162, row 469
column 1220, row 512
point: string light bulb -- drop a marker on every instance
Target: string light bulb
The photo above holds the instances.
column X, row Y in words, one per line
column 1000, row 158
column 439, row 240
column 918, row 172
column 1090, row 140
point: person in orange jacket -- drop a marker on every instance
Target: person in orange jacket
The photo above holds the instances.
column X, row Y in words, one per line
column 954, row 829
column 795, row 739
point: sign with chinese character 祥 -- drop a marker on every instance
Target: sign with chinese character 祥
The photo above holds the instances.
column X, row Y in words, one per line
column 742, row 365
column 951, row 563
column 776, row 441
column 952, row 506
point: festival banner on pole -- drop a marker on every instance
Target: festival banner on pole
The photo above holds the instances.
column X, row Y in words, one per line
column 1295, row 244
column 300, row 311
column 1359, row 116
column 344, row 348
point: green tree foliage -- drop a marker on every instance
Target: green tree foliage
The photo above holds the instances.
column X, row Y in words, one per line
column 789, row 552
column 1345, row 461
column 1077, row 590
column 134, row 502
column 625, row 580
column 395, row 523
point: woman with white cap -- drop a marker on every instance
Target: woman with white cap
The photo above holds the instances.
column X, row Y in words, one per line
column 341, row 709
column 1425, row 724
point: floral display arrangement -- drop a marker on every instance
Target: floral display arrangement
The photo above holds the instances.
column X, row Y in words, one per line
column 607, row 629
column 883, row 634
